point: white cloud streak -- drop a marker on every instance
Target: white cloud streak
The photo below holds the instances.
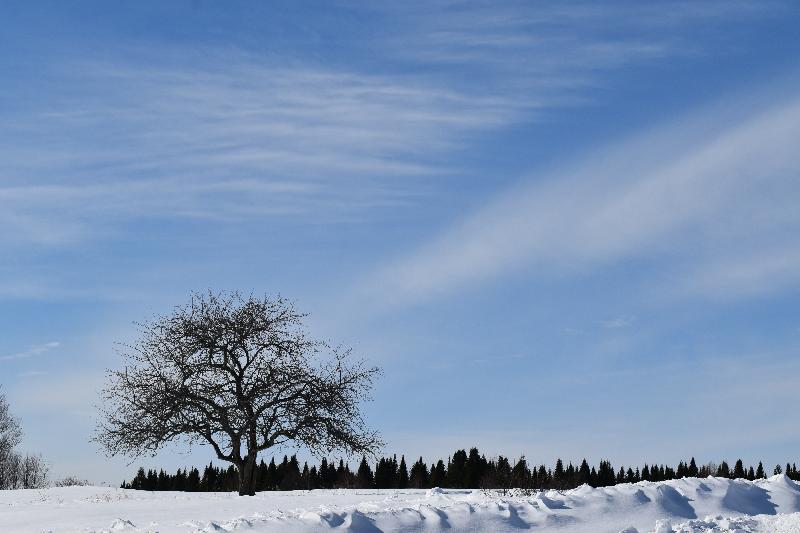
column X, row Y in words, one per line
column 690, row 190
column 33, row 351
column 228, row 141
column 224, row 135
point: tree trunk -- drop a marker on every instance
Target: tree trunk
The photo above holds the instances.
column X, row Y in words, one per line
column 247, row 476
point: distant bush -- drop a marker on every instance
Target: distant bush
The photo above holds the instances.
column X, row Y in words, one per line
column 71, row 481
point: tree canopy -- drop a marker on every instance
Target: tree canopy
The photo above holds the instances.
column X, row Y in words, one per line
column 238, row 374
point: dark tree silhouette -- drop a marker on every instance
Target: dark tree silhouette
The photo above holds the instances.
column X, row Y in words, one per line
column 240, row 375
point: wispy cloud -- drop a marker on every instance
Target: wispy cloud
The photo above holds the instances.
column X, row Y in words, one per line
column 38, row 349
column 227, row 135
column 618, row 322
column 236, row 138
column 721, row 180
column 555, row 47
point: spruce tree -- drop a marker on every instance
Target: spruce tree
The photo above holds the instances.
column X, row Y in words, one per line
column 583, row 472
column 419, row 475
column 738, row 470
column 364, row 477
column 438, row 475
column 193, row 480
column 402, row 474
column 272, row 475
column 558, row 473
column 693, row 471
column 593, row 480
column 520, row 474
column 327, row 478
column 343, row 475
column 456, row 470
column 543, row 478
column 474, row 469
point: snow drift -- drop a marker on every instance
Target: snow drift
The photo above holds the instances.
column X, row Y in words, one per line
column 685, row 505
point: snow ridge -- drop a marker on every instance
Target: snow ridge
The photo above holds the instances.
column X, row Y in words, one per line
column 678, row 506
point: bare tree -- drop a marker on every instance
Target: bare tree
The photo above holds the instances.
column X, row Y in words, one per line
column 238, row 374
column 10, row 432
column 16, row 471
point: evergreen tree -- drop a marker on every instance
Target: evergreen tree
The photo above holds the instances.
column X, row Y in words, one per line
column 520, row 474
column 272, row 475
column 456, row 470
column 344, row 478
column 364, row 477
column 402, row 474
column 583, row 472
column 738, row 470
column 208, row 483
column 438, row 475
column 559, row 474
column 503, row 473
column 777, row 470
column 179, row 481
column 262, row 472
column 542, row 478
column 140, row 481
column 760, row 474
column 474, row 469
column 290, row 477
column 569, row 475
column 605, row 475
column 193, row 480
column 280, row 472
column 692, row 470
column 162, row 482
column 327, row 476
column 593, row 481
column 419, row 475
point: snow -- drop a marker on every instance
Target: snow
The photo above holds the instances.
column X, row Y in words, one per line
column 679, row 506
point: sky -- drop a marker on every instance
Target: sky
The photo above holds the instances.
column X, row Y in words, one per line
column 562, row 229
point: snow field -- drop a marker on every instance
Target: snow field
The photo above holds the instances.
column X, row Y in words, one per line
column 678, row 506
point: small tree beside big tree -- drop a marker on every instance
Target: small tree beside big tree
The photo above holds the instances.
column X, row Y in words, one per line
column 238, row 374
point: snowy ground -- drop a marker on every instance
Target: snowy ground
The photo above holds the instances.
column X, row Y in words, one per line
column 688, row 505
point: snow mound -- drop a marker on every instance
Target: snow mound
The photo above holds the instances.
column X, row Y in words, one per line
column 435, row 491
column 121, row 525
column 767, row 505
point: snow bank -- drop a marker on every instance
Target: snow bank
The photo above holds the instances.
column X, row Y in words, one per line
column 679, row 506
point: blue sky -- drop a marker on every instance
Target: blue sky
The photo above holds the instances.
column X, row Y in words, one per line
column 561, row 229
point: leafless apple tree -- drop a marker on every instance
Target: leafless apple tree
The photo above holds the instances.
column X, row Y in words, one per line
column 238, row 374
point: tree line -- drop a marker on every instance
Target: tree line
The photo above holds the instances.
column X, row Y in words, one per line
column 462, row 470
